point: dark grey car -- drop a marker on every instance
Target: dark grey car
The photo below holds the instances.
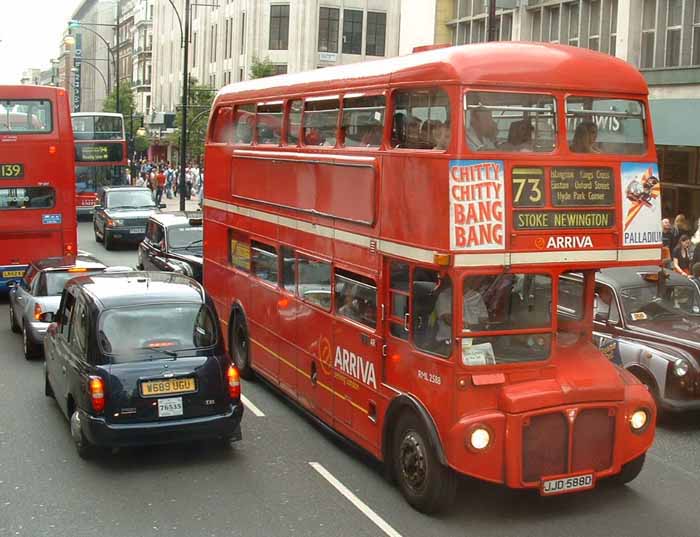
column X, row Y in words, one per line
column 122, row 213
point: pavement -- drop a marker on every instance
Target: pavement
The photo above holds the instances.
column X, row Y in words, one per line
column 173, row 204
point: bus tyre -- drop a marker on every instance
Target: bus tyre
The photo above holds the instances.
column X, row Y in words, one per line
column 629, row 471
column 426, row 484
column 240, row 348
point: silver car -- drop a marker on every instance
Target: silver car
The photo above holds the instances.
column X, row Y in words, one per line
column 39, row 293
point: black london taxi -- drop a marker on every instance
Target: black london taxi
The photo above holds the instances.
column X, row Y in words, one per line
column 647, row 320
column 138, row 358
column 174, row 242
column 121, row 214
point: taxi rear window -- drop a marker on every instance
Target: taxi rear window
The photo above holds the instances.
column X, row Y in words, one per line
column 132, row 334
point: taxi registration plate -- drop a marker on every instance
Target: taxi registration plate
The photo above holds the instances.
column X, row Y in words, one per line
column 12, row 273
column 571, row 483
column 160, row 387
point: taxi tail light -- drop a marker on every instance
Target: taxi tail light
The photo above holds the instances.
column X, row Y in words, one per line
column 37, row 311
column 97, row 393
column 234, row 382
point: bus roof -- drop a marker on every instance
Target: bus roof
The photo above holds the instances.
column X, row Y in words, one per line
column 92, row 114
column 27, row 91
column 505, row 64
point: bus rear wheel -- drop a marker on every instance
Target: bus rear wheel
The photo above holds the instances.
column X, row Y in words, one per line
column 240, row 348
column 426, row 484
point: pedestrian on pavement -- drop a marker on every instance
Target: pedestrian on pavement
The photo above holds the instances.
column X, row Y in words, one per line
column 681, row 256
column 667, row 234
column 160, row 185
column 681, row 226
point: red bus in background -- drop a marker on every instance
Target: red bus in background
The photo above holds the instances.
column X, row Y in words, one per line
column 384, row 243
column 101, row 156
column 37, row 186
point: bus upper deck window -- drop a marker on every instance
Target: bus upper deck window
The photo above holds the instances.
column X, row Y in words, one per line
column 294, row 121
column 25, row 116
column 363, row 120
column 268, row 123
column 605, row 125
column 244, row 118
column 421, row 119
column 321, row 121
column 513, row 122
column 222, row 126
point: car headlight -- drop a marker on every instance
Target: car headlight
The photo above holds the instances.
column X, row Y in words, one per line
column 639, row 420
column 681, row 367
column 113, row 222
column 479, row 439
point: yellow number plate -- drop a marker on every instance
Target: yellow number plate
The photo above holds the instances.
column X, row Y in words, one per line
column 13, row 274
column 167, row 387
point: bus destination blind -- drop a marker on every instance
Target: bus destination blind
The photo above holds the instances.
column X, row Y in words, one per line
column 98, row 152
column 11, row 171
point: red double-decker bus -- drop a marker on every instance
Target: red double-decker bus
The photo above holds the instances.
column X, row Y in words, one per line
column 101, row 156
column 384, row 243
column 37, row 186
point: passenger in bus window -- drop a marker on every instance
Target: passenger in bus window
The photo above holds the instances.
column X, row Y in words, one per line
column 482, row 131
column 474, row 312
column 350, row 306
column 373, row 134
column 413, row 130
column 443, row 313
column 519, row 137
column 442, row 135
column 585, row 138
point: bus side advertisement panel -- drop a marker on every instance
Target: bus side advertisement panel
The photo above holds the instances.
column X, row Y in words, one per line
column 477, row 205
column 641, row 203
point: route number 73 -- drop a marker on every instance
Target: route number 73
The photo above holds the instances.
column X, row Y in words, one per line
column 527, row 191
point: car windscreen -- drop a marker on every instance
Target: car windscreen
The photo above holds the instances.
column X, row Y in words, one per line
column 185, row 236
column 652, row 302
column 52, row 282
column 153, row 331
column 129, row 199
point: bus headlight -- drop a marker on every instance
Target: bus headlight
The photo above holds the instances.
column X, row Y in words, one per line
column 639, row 420
column 479, row 439
column 681, row 367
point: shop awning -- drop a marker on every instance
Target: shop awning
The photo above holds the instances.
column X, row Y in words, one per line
column 676, row 121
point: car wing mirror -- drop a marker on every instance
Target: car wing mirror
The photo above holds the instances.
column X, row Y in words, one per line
column 12, row 284
column 47, row 317
column 98, row 207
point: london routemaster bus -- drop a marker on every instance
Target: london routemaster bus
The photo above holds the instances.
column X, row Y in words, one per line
column 37, row 185
column 101, row 156
column 384, row 244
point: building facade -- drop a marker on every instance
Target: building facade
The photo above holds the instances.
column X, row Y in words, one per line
column 295, row 35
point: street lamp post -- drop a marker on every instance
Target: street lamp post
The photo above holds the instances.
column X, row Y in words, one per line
column 78, row 25
column 185, row 100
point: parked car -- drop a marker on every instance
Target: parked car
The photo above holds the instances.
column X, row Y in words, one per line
column 647, row 320
column 121, row 214
column 139, row 358
column 39, row 292
column 173, row 243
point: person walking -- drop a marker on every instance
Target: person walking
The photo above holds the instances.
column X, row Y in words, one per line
column 160, row 186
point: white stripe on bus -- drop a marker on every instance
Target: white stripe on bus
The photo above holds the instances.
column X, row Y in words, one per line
column 428, row 256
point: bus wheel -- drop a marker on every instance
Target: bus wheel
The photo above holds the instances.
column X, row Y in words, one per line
column 629, row 471
column 425, row 483
column 239, row 343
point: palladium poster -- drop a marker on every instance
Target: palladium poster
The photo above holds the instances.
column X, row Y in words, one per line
column 641, row 204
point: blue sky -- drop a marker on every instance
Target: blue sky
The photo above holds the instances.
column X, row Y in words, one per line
column 30, row 34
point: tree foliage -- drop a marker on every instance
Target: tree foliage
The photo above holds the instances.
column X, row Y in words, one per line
column 200, row 100
column 141, row 143
column 126, row 100
column 261, row 68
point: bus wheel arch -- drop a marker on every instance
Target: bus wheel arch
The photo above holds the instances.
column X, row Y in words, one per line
column 239, row 341
column 414, row 457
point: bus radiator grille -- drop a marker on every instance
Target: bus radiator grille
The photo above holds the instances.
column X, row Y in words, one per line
column 593, row 440
column 545, row 446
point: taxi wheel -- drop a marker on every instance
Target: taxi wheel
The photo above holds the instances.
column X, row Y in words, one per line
column 109, row 241
column 31, row 350
column 13, row 322
column 48, row 390
column 426, row 484
column 82, row 445
column 240, row 351
column 97, row 237
column 629, row 471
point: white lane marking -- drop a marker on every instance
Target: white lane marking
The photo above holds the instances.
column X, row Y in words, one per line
column 250, row 406
column 362, row 506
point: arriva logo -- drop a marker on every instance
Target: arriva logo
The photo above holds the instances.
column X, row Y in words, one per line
column 570, row 242
column 355, row 366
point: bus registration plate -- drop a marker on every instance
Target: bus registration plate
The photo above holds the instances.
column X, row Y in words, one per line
column 562, row 485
